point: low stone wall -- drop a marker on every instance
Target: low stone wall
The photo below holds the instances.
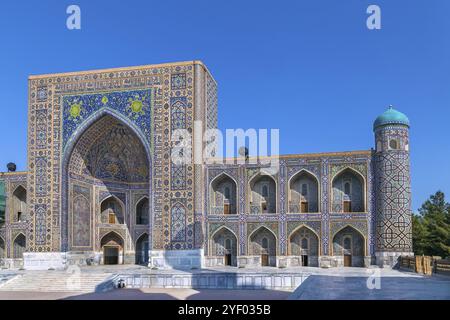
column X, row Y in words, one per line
column 296, row 261
column 338, row 261
column 285, row 281
column 213, row 261
column 8, row 263
column 249, row 261
column 327, row 262
column 44, row 260
column 176, row 259
column 83, row 258
column 218, row 261
column 390, row 259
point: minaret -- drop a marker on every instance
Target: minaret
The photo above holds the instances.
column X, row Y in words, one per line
column 392, row 188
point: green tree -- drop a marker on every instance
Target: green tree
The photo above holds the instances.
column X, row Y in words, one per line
column 431, row 230
column 419, row 235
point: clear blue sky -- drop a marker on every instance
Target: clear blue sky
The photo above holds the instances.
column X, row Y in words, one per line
column 310, row 68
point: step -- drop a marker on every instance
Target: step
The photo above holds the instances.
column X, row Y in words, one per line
column 49, row 282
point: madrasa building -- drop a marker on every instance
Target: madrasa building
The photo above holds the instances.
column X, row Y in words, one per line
column 101, row 187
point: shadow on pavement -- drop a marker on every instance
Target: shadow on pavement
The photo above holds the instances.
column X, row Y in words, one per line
column 183, row 294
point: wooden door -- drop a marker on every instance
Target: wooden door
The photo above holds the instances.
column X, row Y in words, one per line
column 228, row 259
column 264, row 260
column 304, row 206
column 427, row 265
column 419, row 264
column 111, row 218
column 304, row 260
column 347, row 260
column 226, row 209
column 347, row 206
column 111, row 255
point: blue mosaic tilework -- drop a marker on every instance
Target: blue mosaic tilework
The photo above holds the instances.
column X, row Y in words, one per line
column 136, row 105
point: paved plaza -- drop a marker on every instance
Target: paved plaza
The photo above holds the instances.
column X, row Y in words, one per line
column 325, row 287
column 328, row 284
column 153, row 294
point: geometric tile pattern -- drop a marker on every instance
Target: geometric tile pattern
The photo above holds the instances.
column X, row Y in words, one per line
column 211, row 96
column 178, row 222
column 62, row 106
column 148, row 104
column 135, row 105
column 323, row 166
column 393, row 194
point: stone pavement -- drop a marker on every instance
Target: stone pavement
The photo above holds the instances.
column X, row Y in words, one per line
column 335, row 283
column 152, row 294
column 326, row 287
column 48, row 281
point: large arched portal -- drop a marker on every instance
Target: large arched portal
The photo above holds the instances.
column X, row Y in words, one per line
column 108, row 172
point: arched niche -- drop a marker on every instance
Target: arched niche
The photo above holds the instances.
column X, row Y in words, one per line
column 19, row 246
column 263, row 243
column 19, row 204
column 224, row 244
column 2, row 248
column 263, row 194
column 112, row 246
column 112, row 211
column 304, row 243
column 223, row 195
column 142, row 212
column 349, row 244
column 303, row 193
column 141, row 250
column 348, row 192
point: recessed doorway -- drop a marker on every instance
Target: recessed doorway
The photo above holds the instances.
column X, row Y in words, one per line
column 111, row 255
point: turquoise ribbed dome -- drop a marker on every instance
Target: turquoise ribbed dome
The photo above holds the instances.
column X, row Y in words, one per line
column 391, row 116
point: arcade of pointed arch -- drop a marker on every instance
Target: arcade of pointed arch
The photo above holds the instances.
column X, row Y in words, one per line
column 324, row 168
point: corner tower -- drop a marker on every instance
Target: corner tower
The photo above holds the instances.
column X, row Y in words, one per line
column 392, row 187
